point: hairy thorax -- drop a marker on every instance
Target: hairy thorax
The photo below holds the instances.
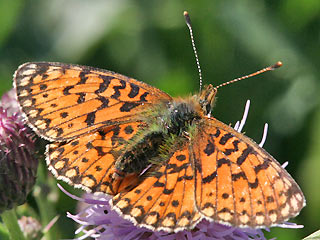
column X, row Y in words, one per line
column 167, row 123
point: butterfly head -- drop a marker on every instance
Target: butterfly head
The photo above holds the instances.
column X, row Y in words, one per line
column 206, row 99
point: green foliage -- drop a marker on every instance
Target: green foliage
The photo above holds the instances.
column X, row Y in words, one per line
column 313, row 236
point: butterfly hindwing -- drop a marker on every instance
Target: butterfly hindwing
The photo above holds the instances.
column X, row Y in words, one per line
column 165, row 199
column 88, row 162
column 64, row 101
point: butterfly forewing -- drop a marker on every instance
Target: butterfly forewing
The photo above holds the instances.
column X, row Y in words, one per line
column 64, row 101
column 240, row 184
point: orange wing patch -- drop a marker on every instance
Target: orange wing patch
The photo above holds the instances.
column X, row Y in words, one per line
column 88, row 162
column 64, row 101
column 238, row 183
column 164, row 200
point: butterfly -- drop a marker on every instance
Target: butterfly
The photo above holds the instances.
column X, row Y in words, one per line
column 165, row 161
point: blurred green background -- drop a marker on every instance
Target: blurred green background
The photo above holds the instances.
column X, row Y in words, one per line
column 149, row 40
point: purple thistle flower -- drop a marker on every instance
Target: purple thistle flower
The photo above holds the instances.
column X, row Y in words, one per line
column 99, row 221
column 18, row 164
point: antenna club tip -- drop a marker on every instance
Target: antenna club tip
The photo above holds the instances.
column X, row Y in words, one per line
column 187, row 17
column 277, row 65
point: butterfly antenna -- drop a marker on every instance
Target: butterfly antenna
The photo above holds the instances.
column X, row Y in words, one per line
column 270, row 68
column 188, row 22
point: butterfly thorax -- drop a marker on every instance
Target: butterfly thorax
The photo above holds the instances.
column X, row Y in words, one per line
column 166, row 123
column 181, row 116
column 169, row 125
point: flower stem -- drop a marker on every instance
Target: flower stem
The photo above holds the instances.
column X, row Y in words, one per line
column 10, row 220
column 46, row 208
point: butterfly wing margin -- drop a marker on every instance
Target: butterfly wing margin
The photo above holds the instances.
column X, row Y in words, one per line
column 238, row 183
column 64, row 101
column 165, row 199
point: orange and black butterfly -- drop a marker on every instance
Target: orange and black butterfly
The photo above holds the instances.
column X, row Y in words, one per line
column 166, row 161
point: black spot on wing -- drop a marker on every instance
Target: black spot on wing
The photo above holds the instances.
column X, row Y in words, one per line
column 75, row 143
column 128, row 129
column 224, row 139
column 64, row 114
column 85, row 160
column 181, row 157
column 244, row 155
column 104, row 102
column 223, row 161
column 67, row 89
column 104, row 85
column 43, row 86
column 137, row 191
column 83, row 77
column 174, row 168
column 235, row 148
column 209, row 148
column 128, row 106
column 59, row 131
column 158, row 184
column 217, row 134
column 117, row 89
column 175, row 203
column 261, row 166
column 90, row 118
column 134, row 90
column 184, row 177
column 209, row 178
column 226, row 210
column 167, row 191
column 239, row 175
column 254, row 184
column 89, row 145
column 143, row 97
column 98, row 168
column 225, row 195
column 270, row 199
column 81, row 97
column 100, row 151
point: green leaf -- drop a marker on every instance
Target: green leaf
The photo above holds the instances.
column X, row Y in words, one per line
column 10, row 220
column 4, row 234
column 313, row 236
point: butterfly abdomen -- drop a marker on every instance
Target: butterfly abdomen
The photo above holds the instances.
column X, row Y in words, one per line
column 136, row 158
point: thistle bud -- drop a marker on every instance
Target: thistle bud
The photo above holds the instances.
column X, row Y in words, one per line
column 18, row 165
